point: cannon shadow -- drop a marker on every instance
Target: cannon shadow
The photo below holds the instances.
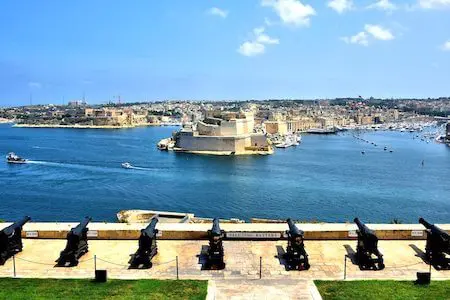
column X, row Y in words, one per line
column 280, row 255
column 351, row 254
column 203, row 257
column 419, row 253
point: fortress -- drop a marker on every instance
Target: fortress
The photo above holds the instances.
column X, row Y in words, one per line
column 223, row 133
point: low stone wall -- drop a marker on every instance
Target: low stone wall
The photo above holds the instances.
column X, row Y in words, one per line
column 246, row 231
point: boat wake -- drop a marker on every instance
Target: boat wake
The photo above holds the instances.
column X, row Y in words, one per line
column 45, row 148
column 82, row 166
column 140, row 168
column 70, row 165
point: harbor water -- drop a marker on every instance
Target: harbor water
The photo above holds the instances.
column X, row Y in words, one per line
column 77, row 172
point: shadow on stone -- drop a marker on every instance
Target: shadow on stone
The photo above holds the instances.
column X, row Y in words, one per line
column 351, row 254
column 137, row 262
column 203, row 257
column 280, row 255
column 419, row 253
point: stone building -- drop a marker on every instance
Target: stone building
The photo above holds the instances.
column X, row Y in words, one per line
column 115, row 116
column 276, row 127
column 225, row 133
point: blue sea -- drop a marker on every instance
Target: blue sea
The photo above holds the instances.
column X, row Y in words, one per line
column 77, row 172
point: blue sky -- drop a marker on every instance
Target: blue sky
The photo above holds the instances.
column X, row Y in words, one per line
column 230, row 49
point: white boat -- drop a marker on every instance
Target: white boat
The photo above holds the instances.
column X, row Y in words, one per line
column 322, row 131
column 127, row 165
column 12, row 158
column 282, row 145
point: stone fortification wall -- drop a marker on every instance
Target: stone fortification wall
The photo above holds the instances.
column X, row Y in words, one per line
column 176, row 231
column 208, row 129
column 259, row 140
column 207, row 143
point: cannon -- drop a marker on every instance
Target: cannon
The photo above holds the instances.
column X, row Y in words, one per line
column 296, row 256
column 215, row 251
column 11, row 240
column 437, row 247
column 142, row 259
column 77, row 245
column 367, row 247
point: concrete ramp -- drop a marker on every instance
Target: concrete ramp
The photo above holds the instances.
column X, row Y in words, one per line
column 262, row 289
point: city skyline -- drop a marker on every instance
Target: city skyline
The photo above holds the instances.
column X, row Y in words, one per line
column 234, row 50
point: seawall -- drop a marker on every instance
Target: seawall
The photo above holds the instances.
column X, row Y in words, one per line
column 246, row 231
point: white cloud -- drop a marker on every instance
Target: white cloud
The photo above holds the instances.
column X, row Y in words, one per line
column 263, row 38
column 33, row 84
column 430, row 4
column 251, row 48
column 215, row 11
column 292, row 12
column 257, row 45
column 386, row 5
column 446, row 46
column 370, row 32
column 379, row 32
column 359, row 38
column 340, row 5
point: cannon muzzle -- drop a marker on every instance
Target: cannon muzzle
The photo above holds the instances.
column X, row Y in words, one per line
column 151, row 230
column 425, row 223
column 78, row 230
column 362, row 227
column 293, row 230
column 216, row 231
column 434, row 229
column 12, row 228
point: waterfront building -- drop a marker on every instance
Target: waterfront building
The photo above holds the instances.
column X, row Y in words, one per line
column 276, row 127
column 223, row 133
column 115, row 117
column 301, row 124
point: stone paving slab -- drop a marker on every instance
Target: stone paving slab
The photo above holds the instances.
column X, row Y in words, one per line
column 242, row 258
column 262, row 289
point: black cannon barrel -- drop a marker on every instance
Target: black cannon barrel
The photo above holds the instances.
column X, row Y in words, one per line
column 293, row 230
column 11, row 228
column 425, row 223
column 362, row 227
column 434, row 229
column 216, row 227
column 151, row 230
column 78, row 230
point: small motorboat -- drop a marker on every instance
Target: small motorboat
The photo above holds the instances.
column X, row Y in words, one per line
column 12, row 158
column 127, row 165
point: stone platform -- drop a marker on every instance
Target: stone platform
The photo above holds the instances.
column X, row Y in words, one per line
column 402, row 259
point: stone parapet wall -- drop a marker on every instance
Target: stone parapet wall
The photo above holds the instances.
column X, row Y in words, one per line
column 246, row 231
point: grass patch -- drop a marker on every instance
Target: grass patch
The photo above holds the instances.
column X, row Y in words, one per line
column 383, row 289
column 13, row 289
